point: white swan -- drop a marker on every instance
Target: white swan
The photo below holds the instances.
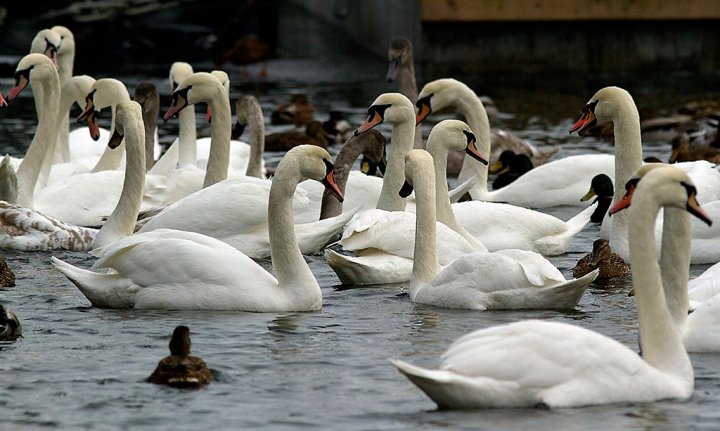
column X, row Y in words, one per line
column 510, row 279
column 241, row 221
column 169, row 269
column 499, row 226
column 533, row 363
column 701, row 328
column 616, row 105
column 559, row 182
column 25, row 229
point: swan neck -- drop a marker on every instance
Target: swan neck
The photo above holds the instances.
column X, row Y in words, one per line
column 470, row 106
column 257, row 141
column 149, row 121
column 660, row 339
column 330, row 206
column 425, row 265
column 287, row 259
column 628, row 146
column 121, row 222
column 675, row 261
column 220, row 131
column 187, row 150
column 47, row 101
column 401, row 142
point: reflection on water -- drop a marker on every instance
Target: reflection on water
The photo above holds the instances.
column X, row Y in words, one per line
column 82, row 367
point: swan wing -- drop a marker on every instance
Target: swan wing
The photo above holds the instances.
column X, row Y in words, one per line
column 25, row 229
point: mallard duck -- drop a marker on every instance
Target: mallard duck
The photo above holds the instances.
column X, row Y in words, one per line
column 10, row 327
column 509, row 167
column 299, row 112
column 602, row 187
column 284, row 141
column 687, row 149
column 181, row 370
column 602, row 257
column 7, row 277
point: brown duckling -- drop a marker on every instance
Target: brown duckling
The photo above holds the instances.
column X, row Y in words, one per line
column 299, row 112
column 181, row 370
column 284, row 141
column 602, row 257
column 7, row 277
column 10, row 327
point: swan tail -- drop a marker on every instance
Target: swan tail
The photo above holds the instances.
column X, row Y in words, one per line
column 102, row 290
column 560, row 296
column 459, row 191
column 566, row 295
column 313, row 237
column 554, row 245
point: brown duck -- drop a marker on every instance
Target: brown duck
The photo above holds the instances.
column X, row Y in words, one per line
column 299, row 112
column 10, row 328
column 602, row 257
column 284, row 141
column 7, row 277
column 181, row 370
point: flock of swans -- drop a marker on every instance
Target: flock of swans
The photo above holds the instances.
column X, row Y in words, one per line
column 182, row 231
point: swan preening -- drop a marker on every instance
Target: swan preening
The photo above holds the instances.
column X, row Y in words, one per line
column 531, row 363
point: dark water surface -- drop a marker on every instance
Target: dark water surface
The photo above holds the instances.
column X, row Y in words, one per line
column 78, row 367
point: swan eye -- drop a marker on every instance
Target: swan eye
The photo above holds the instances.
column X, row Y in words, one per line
column 632, row 183
column 25, row 73
column 590, row 107
column 425, row 101
column 470, row 136
column 328, row 166
column 689, row 188
column 90, row 97
column 181, row 93
column 51, row 46
column 377, row 109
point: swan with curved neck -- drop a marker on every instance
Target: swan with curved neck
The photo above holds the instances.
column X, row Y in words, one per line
column 700, row 326
column 31, row 230
column 187, row 135
column 66, row 60
column 168, row 269
column 554, row 364
column 616, row 105
column 545, row 186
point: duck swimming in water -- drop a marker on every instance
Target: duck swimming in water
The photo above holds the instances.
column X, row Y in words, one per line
column 10, row 328
column 181, row 370
column 7, row 277
column 602, row 257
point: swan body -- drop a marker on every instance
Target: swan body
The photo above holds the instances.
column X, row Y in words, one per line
column 531, row 363
column 25, row 229
column 200, row 272
column 560, row 182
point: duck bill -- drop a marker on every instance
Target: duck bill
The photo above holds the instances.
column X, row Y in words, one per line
column 19, row 86
column 472, row 150
column 623, row 203
column 369, row 123
column 208, row 114
column 423, row 112
column 178, row 105
column 115, row 140
column 695, row 209
column 93, row 125
column 589, row 195
column 2, row 101
column 497, row 168
column 332, row 187
column 586, row 121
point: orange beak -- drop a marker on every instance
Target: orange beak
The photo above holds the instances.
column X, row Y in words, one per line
column 22, row 82
column 369, row 123
column 586, row 121
column 623, row 203
column 2, row 101
column 332, row 186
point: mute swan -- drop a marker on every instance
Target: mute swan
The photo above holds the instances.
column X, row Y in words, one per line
column 10, row 327
column 509, row 279
column 531, row 363
column 559, row 182
column 616, row 105
column 181, row 370
column 24, row 229
column 66, row 60
column 700, row 327
column 169, row 269
column 602, row 258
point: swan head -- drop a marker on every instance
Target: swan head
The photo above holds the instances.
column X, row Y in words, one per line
column 418, row 167
column 244, row 105
column 438, row 94
column 31, row 67
column 455, row 135
column 78, row 86
column 197, row 88
column 128, row 114
column 608, row 104
column 10, row 327
column 179, row 71
column 667, row 185
column 147, row 96
column 48, row 43
column 309, row 162
column 399, row 54
column 388, row 108
column 103, row 93
column 225, row 81
column 67, row 39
